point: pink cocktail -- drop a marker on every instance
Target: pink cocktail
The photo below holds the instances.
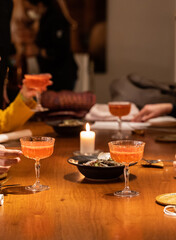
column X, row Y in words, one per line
column 37, row 148
column 126, row 152
column 119, row 109
column 38, row 82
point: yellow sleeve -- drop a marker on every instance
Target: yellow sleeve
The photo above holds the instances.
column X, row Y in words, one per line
column 15, row 115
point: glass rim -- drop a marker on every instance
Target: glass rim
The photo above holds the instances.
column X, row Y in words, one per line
column 118, row 142
column 119, row 102
column 36, row 138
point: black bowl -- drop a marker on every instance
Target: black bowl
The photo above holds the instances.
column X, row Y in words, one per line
column 96, row 173
column 67, row 128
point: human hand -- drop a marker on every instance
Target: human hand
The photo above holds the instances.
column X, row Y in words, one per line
column 27, row 93
column 152, row 110
column 8, row 157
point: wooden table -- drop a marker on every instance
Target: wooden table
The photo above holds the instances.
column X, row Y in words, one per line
column 77, row 209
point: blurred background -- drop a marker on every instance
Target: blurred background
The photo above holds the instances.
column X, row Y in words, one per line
column 112, row 38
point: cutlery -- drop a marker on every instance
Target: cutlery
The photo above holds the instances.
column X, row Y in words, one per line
column 3, row 182
column 10, row 185
column 157, row 160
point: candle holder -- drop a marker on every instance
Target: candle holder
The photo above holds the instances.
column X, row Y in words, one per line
column 94, row 153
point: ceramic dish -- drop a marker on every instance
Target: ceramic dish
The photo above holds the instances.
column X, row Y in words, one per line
column 95, row 173
column 69, row 127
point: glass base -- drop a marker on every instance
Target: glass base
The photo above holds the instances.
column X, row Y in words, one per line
column 117, row 136
column 126, row 194
column 39, row 108
column 37, row 188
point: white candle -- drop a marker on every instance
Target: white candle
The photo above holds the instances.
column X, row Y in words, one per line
column 87, row 141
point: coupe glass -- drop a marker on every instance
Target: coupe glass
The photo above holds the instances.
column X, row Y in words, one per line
column 119, row 109
column 37, row 148
column 38, row 82
column 126, row 152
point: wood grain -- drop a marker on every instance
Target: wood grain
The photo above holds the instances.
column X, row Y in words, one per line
column 75, row 208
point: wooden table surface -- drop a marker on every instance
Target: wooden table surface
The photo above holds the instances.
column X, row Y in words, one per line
column 77, row 209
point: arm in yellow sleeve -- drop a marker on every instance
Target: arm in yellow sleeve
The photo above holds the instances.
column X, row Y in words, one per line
column 16, row 114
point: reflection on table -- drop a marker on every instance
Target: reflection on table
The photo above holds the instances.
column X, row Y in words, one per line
column 76, row 208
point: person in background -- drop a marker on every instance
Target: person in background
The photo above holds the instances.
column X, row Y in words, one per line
column 155, row 110
column 51, row 47
column 5, row 16
column 7, row 157
column 14, row 116
column 19, row 111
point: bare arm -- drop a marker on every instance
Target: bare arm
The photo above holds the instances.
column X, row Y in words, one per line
column 153, row 110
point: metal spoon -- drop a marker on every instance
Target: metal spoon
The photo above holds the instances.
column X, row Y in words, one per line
column 156, row 160
column 2, row 184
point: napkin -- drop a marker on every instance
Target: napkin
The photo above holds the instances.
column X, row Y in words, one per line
column 5, row 137
column 101, row 112
column 113, row 125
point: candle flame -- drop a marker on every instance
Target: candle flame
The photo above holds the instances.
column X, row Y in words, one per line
column 87, row 127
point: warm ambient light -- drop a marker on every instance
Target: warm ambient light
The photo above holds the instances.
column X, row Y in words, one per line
column 87, row 127
column 87, row 141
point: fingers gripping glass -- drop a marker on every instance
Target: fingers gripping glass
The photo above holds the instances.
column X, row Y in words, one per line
column 39, row 82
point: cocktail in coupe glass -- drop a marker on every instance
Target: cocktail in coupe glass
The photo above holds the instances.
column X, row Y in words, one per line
column 38, row 82
column 126, row 152
column 119, row 109
column 37, row 148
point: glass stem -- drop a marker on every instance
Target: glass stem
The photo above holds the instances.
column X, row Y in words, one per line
column 37, row 171
column 126, row 176
column 38, row 98
column 120, row 127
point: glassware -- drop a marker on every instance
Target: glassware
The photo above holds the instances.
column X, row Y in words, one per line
column 119, row 109
column 126, row 152
column 38, row 82
column 37, row 148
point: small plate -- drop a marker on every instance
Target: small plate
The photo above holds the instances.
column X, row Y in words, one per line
column 96, row 173
column 167, row 199
column 67, row 127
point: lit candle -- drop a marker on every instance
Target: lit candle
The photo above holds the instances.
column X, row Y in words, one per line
column 87, row 141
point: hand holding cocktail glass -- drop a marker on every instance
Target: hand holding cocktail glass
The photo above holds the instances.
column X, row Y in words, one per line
column 39, row 83
column 37, row 148
column 126, row 152
column 119, row 109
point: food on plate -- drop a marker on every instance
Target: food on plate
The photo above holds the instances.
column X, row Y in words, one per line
column 102, row 163
column 70, row 123
column 103, row 160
